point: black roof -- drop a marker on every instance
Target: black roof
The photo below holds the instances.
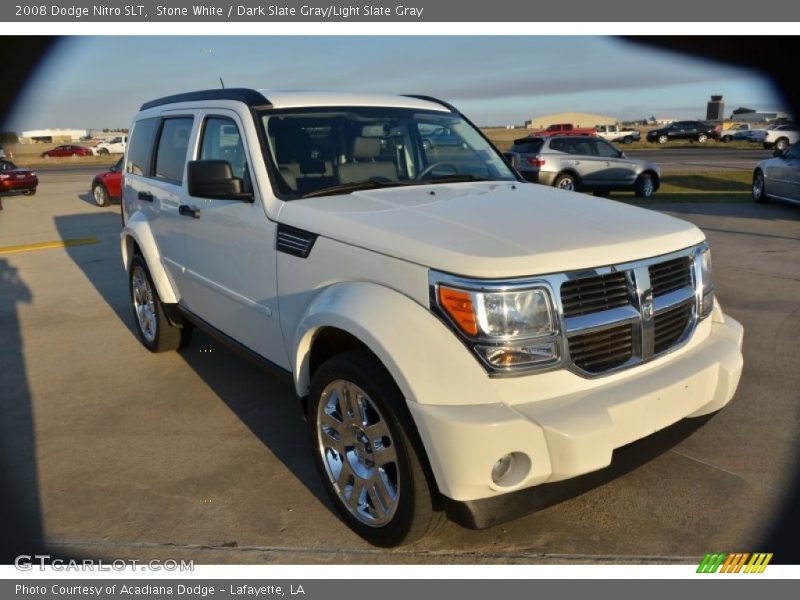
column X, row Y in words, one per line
column 250, row 97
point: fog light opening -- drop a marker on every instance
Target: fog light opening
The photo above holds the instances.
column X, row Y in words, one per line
column 510, row 469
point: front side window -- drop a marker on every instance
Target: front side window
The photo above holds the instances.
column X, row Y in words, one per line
column 172, row 146
column 338, row 150
column 606, row 150
column 222, row 141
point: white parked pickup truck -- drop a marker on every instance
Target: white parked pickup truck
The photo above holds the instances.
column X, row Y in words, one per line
column 614, row 133
column 456, row 336
column 115, row 145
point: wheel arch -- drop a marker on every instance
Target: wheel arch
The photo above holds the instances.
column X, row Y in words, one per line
column 137, row 238
column 572, row 173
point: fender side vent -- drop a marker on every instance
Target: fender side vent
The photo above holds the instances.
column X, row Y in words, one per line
column 295, row 241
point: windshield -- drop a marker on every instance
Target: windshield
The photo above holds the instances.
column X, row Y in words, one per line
column 340, row 150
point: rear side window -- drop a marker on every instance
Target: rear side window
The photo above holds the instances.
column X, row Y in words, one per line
column 172, row 146
column 527, row 146
column 140, row 149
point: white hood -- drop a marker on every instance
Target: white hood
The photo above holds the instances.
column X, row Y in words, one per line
column 490, row 229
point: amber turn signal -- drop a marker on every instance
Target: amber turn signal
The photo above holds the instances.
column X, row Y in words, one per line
column 458, row 304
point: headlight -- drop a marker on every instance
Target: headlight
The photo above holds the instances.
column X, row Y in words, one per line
column 706, row 282
column 511, row 329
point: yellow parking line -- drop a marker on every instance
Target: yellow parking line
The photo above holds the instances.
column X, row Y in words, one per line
column 46, row 245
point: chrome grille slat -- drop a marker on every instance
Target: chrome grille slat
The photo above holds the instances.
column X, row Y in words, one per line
column 594, row 293
column 670, row 275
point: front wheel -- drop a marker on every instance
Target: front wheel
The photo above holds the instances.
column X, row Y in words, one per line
column 102, row 151
column 362, row 433
column 702, row 138
column 759, row 189
column 662, row 139
column 155, row 331
column 30, row 192
column 627, row 140
column 645, row 186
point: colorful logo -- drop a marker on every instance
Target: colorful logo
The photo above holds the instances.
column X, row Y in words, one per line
column 735, row 563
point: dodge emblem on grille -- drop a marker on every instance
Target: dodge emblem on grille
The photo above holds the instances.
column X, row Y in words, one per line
column 647, row 311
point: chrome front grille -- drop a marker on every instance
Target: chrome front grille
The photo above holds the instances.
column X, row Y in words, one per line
column 619, row 316
column 591, row 294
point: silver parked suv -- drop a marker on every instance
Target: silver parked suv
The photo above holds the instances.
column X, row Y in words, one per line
column 582, row 163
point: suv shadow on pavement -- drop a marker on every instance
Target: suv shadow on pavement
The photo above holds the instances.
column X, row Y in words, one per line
column 273, row 414
column 19, row 503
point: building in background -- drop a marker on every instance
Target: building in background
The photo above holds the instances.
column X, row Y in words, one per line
column 715, row 111
column 579, row 119
column 52, row 135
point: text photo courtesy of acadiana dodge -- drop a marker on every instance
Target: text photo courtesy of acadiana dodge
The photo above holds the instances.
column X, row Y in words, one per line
column 194, row 590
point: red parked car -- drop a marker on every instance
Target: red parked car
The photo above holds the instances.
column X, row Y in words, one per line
column 14, row 179
column 108, row 185
column 67, row 150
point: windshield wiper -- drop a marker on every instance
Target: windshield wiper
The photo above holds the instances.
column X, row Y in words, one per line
column 353, row 186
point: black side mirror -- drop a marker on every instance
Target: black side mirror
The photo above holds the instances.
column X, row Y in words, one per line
column 778, row 154
column 214, row 179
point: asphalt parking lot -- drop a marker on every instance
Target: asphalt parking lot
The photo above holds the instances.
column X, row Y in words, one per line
column 199, row 454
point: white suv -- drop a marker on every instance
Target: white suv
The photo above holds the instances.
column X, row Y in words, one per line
column 455, row 333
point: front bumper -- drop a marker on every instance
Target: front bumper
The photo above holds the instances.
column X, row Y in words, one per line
column 571, row 433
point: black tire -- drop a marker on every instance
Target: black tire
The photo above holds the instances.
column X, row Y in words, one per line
column 29, row 192
column 566, row 181
column 165, row 336
column 627, row 140
column 726, row 138
column 782, row 144
column 102, row 151
column 759, row 188
column 415, row 514
column 645, row 186
column 100, row 194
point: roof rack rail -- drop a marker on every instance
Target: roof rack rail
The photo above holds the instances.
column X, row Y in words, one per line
column 250, row 97
column 447, row 105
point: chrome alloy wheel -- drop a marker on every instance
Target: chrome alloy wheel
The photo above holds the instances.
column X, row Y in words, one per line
column 358, row 452
column 758, row 187
column 144, row 304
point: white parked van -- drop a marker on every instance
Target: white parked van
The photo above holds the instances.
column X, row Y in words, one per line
column 455, row 333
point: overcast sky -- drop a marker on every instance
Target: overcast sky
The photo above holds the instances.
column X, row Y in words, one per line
column 95, row 82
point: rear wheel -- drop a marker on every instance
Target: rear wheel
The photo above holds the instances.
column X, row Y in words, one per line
column 662, row 139
column 565, row 181
column 759, row 188
column 645, row 186
column 100, row 195
column 155, row 331
column 702, row 138
column 627, row 140
column 31, row 192
column 726, row 138
column 782, row 144
column 364, row 446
